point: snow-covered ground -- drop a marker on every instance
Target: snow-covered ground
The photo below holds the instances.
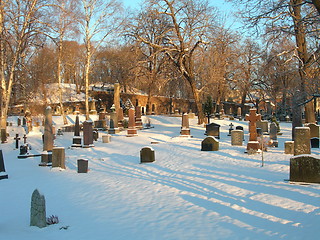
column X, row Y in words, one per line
column 185, row 194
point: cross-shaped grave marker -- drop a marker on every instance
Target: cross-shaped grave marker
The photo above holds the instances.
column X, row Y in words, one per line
column 17, row 140
column 253, row 117
column 24, row 138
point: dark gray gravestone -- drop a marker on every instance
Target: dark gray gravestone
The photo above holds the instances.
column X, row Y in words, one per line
column 19, row 122
column 259, row 131
column 17, row 140
column 87, row 134
column 210, row 144
column 314, row 142
column 273, row 134
column 305, row 169
column 213, row 129
column 3, row 174
column 230, row 129
column 77, row 127
column 239, row 128
column 38, row 210
column 24, row 149
column 147, row 155
column 82, row 165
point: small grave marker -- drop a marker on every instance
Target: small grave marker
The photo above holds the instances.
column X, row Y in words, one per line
column 210, row 144
column 82, row 165
column 17, row 140
column 147, row 155
column 38, row 210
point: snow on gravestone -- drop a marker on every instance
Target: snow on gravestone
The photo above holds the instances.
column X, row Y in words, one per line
column 185, row 130
column 210, row 144
column 38, row 210
column 302, row 141
column 147, row 155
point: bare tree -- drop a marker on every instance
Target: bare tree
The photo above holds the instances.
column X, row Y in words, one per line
column 20, row 24
column 296, row 18
column 100, row 19
column 65, row 16
column 190, row 22
column 152, row 27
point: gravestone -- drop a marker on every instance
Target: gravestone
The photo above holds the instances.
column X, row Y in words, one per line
column 48, row 131
column 131, row 131
column 237, row 137
column 24, row 121
column 19, row 122
column 3, row 174
column 302, row 141
column 58, row 157
column 113, row 123
column 239, row 116
column 210, row 144
column 92, row 107
column 253, row 144
column 138, row 120
column 3, row 135
column 230, row 129
column 289, row 147
column 120, row 118
column 239, row 128
column 25, row 139
column 38, row 210
column 263, row 125
column 87, row 134
column 147, row 155
column 95, row 135
column 77, row 109
column 314, row 142
column 17, row 140
column 24, row 149
column 77, row 126
column 213, row 129
column 185, row 130
column 259, row 132
column 273, row 134
column 106, row 138
column 305, row 169
column 46, row 159
column 314, row 130
column 309, row 112
column 82, row 165
column 76, row 140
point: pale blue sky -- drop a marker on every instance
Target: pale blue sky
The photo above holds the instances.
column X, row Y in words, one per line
column 224, row 7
